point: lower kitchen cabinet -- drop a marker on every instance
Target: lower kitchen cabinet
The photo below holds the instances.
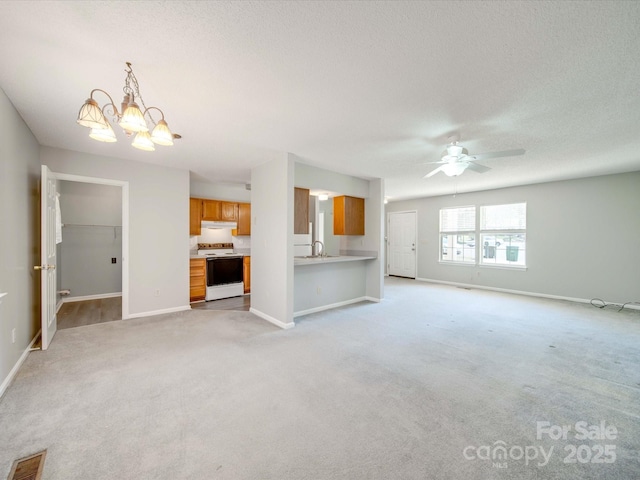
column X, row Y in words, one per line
column 246, row 273
column 197, row 277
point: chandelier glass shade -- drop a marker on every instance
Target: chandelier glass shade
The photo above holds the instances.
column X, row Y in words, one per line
column 103, row 134
column 130, row 118
column 143, row 142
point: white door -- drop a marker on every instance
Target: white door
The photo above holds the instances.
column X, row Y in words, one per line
column 402, row 244
column 48, row 256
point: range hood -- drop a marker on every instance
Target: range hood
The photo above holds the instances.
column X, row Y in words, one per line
column 210, row 224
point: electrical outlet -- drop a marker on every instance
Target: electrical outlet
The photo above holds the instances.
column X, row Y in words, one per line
column 113, row 260
column 157, row 293
column 13, row 335
column 318, row 290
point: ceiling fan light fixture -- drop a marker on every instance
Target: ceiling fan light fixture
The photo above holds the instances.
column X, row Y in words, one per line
column 323, row 197
column 454, row 169
column 143, row 142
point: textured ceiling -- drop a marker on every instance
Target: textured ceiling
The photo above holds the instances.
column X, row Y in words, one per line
column 371, row 89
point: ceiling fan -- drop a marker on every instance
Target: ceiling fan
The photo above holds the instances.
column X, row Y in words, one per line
column 456, row 159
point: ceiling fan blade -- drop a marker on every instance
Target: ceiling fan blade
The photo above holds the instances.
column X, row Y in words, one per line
column 433, row 172
column 505, row 153
column 476, row 167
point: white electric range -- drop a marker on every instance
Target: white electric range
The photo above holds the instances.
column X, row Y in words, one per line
column 224, row 271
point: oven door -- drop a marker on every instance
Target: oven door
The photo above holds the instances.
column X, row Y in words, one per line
column 223, row 270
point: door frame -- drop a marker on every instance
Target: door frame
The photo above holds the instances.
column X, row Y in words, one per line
column 388, row 235
column 124, row 185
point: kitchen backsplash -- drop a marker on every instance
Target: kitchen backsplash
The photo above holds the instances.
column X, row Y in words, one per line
column 220, row 235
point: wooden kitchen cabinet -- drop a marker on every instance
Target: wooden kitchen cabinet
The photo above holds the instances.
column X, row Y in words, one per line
column 211, row 210
column 244, row 220
column 195, row 216
column 219, row 211
column 348, row 215
column 246, row 273
column 228, row 212
column 197, row 279
column 301, row 210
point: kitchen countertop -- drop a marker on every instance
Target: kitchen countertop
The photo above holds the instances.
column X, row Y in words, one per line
column 324, row 260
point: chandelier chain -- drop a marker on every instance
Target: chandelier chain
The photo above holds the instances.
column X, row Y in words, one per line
column 135, row 91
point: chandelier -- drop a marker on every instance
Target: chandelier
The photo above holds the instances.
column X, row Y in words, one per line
column 129, row 117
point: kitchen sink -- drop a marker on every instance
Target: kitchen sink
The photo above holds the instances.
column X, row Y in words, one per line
column 318, row 256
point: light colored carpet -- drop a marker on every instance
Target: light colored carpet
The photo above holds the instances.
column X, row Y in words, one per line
column 396, row 390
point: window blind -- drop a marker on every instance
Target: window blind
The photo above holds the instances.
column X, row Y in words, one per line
column 504, row 217
column 458, row 219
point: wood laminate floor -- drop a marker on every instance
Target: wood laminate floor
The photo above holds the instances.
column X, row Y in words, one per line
column 233, row 303
column 89, row 312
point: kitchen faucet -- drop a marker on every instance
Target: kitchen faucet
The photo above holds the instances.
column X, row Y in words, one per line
column 321, row 250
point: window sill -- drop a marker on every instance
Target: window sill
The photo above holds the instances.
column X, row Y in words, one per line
column 457, row 264
column 505, row 267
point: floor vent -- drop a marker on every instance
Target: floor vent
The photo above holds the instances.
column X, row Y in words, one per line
column 29, row 468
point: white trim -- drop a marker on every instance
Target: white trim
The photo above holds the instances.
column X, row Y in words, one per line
column 14, row 371
column 270, row 319
column 333, row 305
column 158, row 312
column 97, row 296
column 519, row 292
column 59, row 305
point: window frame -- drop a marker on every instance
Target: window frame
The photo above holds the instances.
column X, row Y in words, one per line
column 456, row 234
column 479, row 235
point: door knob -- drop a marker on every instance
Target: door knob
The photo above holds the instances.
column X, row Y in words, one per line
column 44, row 267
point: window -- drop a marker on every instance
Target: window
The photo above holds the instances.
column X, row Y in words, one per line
column 503, row 234
column 501, row 231
column 458, row 234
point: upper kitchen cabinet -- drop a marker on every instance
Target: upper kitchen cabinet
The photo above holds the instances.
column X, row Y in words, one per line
column 228, row 212
column 348, row 215
column 301, row 211
column 195, row 216
column 244, row 220
column 210, row 210
column 219, row 211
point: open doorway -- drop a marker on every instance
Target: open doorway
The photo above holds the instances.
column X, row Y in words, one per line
column 89, row 273
column 52, row 285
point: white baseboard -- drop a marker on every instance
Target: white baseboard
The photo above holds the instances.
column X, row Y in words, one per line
column 14, row 371
column 91, row 297
column 519, row 292
column 334, row 305
column 271, row 319
column 158, row 312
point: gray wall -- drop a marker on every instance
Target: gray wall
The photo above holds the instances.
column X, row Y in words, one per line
column 91, row 237
column 582, row 238
column 272, row 241
column 158, row 225
column 20, row 240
